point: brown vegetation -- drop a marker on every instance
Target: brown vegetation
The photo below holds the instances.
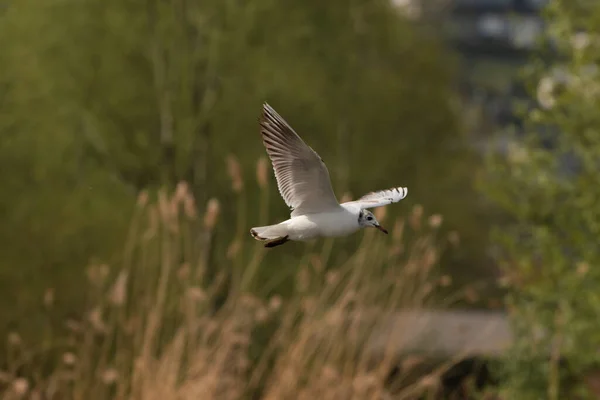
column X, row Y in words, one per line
column 160, row 326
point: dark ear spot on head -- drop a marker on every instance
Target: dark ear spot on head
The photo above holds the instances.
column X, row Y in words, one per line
column 360, row 215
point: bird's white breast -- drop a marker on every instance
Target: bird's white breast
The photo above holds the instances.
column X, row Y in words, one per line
column 336, row 223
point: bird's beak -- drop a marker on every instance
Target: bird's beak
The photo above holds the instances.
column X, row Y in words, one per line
column 381, row 228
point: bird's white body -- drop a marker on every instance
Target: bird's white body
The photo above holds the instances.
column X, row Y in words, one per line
column 338, row 222
column 303, row 182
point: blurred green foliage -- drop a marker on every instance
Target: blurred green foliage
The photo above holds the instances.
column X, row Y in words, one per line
column 548, row 187
column 101, row 99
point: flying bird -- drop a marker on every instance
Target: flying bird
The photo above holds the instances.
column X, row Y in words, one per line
column 304, row 183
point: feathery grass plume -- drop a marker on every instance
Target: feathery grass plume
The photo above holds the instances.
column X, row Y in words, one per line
column 454, row 238
column 204, row 243
column 397, row 246
column 415, row 217
column 181, row 192
column 316, row 262
column 20, row 387
column 73, row 326
column 380, row 213
column 398, row 229
column 213, row 208
column 97, row 274
column 69, row 358
column 96, row 320
column 48, row 297
column 303, row 280
column 196, row 294
column 142, row 199
column 235, row 173
column 184, row 197
column 237, row 180
column 168, row 211
column 275, row 303
column 233, row 249
column 445, row 281
column 183, row 273
column 262, row 168
column 14, row 340
column 582, row 269
column 118, row 292
column 189, row 207
column 435, row 220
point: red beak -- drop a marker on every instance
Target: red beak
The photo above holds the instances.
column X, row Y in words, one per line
column 382, row 229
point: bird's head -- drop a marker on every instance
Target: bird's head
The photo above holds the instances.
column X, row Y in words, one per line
column 366, row 219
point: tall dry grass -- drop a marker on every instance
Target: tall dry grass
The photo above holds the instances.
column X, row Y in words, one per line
column 160, row 326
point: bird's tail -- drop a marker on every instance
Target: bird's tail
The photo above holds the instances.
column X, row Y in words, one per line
column 269, row 232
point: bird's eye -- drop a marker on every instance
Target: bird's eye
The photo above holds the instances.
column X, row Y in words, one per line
column 369, row 218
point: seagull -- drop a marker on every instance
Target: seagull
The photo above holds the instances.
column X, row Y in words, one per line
column 303, row 182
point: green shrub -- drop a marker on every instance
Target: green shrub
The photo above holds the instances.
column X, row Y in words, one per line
column 547, row 185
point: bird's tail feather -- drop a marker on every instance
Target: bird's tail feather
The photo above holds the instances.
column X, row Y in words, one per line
column 269, row 232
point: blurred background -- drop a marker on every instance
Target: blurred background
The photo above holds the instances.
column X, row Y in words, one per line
column 132, row 170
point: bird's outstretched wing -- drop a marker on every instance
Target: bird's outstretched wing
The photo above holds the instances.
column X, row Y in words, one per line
column 302, row 177
column 380, row 198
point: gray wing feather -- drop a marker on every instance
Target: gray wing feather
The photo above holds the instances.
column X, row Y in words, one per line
column 302, row 177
